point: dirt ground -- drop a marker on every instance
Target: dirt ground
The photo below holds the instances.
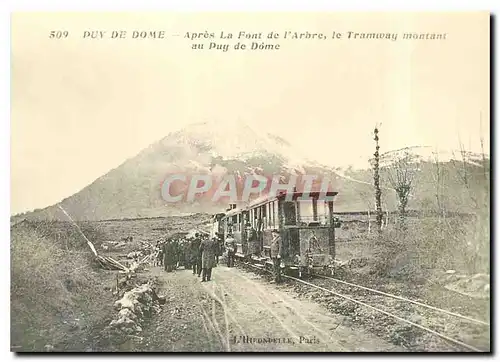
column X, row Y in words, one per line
column 240, row 311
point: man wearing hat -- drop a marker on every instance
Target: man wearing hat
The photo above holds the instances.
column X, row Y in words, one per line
column 219, row 248
column 230, row 249
column 276, row 246
column 252, row 240
column 196, row 254
column 208, row 249
column 169, row 257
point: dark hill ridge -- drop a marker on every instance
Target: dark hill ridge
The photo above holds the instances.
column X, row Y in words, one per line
column 133, row 189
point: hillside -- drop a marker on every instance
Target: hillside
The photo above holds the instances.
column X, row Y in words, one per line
column 133, row 189
column 460, row 181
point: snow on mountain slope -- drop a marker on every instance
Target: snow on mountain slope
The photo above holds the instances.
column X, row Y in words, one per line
column 134, row 188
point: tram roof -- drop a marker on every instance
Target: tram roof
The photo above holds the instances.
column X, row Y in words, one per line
column 295, row 195
column 281, row 195
column 235, row 211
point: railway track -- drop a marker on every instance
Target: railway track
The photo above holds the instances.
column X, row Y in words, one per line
column 392, row 306
column 424, row 305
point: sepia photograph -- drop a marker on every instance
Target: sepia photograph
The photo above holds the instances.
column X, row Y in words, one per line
column 250, row 182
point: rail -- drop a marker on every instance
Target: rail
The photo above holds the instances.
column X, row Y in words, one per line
column 405, row 300
column 416, row 325
column 449, row 339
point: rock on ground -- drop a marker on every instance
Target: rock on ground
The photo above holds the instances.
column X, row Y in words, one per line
column 240, row 311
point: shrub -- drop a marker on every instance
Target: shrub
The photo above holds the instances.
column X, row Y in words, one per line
column 459, row 243
column 55, row 293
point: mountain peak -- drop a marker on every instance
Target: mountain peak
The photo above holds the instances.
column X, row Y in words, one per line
column 214, row 148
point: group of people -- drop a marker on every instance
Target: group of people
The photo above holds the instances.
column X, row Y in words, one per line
column 201, row 253
column 276, row 249
column 171, row 253
column 205, row 253
column 252, row 238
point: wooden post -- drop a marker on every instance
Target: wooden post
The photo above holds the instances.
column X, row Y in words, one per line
column 331, row 241
column 281, row 217
column 297, row 211
column 315, row 209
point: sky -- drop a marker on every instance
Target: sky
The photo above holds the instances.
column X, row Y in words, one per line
column 80, row 107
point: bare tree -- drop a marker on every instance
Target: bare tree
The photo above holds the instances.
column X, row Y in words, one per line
column 438, row 181
column 485, row 162
column 401, row 169
column 376, row 180
column 477, row 200
column 466, row 175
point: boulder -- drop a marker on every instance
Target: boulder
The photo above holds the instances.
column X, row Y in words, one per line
column 133, row 307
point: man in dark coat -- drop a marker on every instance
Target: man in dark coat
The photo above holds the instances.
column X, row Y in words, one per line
column 196, row 254
column 218, row 250
column 230, row 249
column 208, row 249
column 169, row 258
column 276, row 246
column 220, row 240
column 252, row 240
column 260, row 236
column 178, row 254
column 186, row 249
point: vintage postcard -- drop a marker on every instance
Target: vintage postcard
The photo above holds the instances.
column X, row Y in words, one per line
column 250, row 182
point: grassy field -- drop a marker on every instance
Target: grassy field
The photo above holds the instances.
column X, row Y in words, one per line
column 60, row 298
column 428, row 247
column 57, row 295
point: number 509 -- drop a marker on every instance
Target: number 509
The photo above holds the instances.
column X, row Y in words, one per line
column 58, row 34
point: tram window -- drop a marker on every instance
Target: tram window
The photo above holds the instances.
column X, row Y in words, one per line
column 313, row 211
column 263, row 216
column 323, row 212
column 271, row 215
column 290, row 215
column 260, row 226
column 307, row 209
column 270, row 218
column 258, row 221
column 276, row 214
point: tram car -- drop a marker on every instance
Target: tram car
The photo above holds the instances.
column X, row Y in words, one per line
column 217, row 226
column 306, row 226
